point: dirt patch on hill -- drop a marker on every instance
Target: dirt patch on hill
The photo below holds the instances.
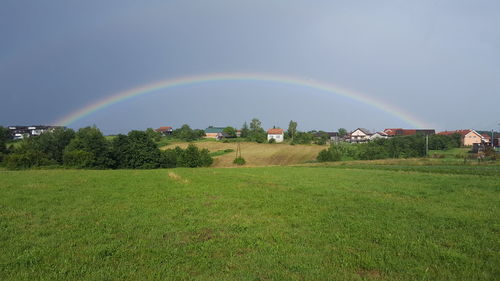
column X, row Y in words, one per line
column 259, row 154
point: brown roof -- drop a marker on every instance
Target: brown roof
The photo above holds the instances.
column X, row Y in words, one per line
column 275, row 131
column 163, row 129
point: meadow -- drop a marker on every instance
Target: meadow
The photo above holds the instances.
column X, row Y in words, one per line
column 323, row 222
column 257, row 154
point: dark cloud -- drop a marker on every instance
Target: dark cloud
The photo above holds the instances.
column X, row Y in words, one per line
column 436, row 60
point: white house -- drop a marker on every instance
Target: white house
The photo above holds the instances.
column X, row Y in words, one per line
column 276, row 134
column 19, row 132
column 360, row 135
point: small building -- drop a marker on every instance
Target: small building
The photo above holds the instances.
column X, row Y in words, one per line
column 166, row 130
column 360, row 135
column 214, row 132
column 277, row 134
column 379, row 135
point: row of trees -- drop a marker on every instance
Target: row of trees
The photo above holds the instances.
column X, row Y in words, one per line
column 396, row 147
column 252, row 131
column 89, row 148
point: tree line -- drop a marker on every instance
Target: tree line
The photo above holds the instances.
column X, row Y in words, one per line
column 395, row 147
column 88, row 148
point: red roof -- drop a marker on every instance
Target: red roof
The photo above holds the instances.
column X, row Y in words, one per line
column 449, row 133
column 392, row 132
column 275, row 131
column 163, row 129
column 400, row 132
column 486, row 136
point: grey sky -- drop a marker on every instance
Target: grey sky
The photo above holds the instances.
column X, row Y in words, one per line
column 438, row 60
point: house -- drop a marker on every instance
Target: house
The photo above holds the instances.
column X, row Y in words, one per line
column 486, row 139
column 379, row 135
column 214, row 132
column 276, row 134
column 468, row 137
column 408, row 132
column 166, row 131
column 19, row 132
column 360, row 135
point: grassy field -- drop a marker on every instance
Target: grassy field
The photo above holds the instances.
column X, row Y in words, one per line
column 259, row 154
column 267, row 223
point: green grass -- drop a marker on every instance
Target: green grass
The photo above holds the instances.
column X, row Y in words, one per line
column 268, row 223
column 423, row 165
column 221, row 152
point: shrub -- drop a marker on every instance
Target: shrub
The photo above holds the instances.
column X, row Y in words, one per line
column 205, row 159
column 239, row 161
column 324, row 156
column 168, row 159
column 490, row 153
column 79, row 159
column 192, row 157
column 439, row 156
column 271, row 140
column 26, row 159
column 333, row 153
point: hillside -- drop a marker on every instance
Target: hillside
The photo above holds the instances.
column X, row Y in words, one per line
column 264, row 223
column 259, row 154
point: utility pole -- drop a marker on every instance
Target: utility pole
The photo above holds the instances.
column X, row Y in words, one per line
column 492, row 142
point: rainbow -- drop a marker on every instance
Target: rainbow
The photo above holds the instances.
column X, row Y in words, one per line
column 221, row 77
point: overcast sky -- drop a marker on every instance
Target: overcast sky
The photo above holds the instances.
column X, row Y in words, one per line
column 437, row 60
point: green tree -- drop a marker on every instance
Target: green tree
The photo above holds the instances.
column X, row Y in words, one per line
column 169, row 158
column 27, row 155
column 154, row 135
column 342, row 132
column 187, row 134
column 53, row 143
column 77, row 158
column 230, row 131
column 256, row 132
column 141, row 152
column 4, row 138
column 292, row 129
column 119, row 151
column 245, row 130
column 321, row 138
column 91, row 140
column 303, row 138
column 255, row 125
column 192, row 157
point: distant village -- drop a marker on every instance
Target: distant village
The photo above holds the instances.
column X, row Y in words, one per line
column 469, row 137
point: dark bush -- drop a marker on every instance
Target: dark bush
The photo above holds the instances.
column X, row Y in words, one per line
column 192, row 157
column 79, row 159
column 27, row 159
